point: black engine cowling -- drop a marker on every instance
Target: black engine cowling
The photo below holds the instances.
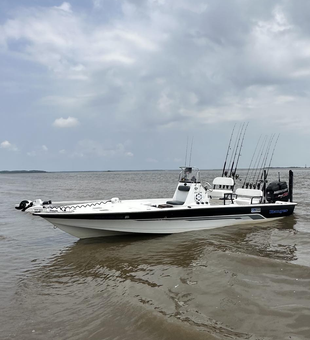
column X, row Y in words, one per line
column 277, row 191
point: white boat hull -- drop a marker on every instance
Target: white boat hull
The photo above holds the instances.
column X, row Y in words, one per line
column 82, row 228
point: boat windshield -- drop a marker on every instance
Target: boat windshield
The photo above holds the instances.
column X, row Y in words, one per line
column 189, row 175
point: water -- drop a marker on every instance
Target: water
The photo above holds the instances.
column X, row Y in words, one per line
column 239, row 282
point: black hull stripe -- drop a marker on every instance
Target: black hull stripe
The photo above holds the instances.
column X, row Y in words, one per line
column 211, row 218
column 266, row 210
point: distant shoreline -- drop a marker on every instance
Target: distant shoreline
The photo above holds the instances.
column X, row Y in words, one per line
column 23, row 171
column 72, row 171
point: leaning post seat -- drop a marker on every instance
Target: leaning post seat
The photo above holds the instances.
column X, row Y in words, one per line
column 221, row 186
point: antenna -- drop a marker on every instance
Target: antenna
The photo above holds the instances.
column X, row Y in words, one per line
column 190, row 155
column 186, row 150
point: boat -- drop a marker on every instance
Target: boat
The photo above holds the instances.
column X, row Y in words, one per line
column 194, row 206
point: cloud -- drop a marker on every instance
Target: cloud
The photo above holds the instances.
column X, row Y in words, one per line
column 69, row 45
column 5, row 145
column 151, row 160
column 64, row 7
column 39, row 151
column 91, row 148
column 8, row 146
column 135, row 69
column 66, row 122
column 32, row 153
column 67, row 102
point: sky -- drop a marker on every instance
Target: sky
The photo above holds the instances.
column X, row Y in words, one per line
column 151, row 84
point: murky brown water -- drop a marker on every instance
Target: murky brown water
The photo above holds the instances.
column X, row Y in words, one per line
column 240, row 282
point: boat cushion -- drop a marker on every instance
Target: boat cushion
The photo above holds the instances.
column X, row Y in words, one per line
column 183, row 187
column 224, row 181
column 175, row 202
column 249, row 192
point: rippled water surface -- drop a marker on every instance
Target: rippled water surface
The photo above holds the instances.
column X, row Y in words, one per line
column 239, row 282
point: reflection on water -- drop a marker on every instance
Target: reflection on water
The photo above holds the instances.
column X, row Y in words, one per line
column 125, row 254
column 194, row 279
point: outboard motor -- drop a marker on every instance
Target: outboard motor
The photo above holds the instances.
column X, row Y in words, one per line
column 277, row 191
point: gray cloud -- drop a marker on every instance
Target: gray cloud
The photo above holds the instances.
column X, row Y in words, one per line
column 161, row 68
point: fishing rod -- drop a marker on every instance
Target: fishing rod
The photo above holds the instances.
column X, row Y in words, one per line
column 275, row 144
column 257, row 162
column 236, row 149
column 269, row 147
column 247, row 174
column 242, row 140
column 232, row 154
column 264, row 161
column 224, row 167
column 260, row 161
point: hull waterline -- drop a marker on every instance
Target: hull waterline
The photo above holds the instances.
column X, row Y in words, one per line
column 91, row 229
column 102, row 225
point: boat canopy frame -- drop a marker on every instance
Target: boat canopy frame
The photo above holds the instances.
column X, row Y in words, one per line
column 189, row 174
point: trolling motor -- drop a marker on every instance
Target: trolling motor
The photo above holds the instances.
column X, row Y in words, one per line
column 24, row 205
